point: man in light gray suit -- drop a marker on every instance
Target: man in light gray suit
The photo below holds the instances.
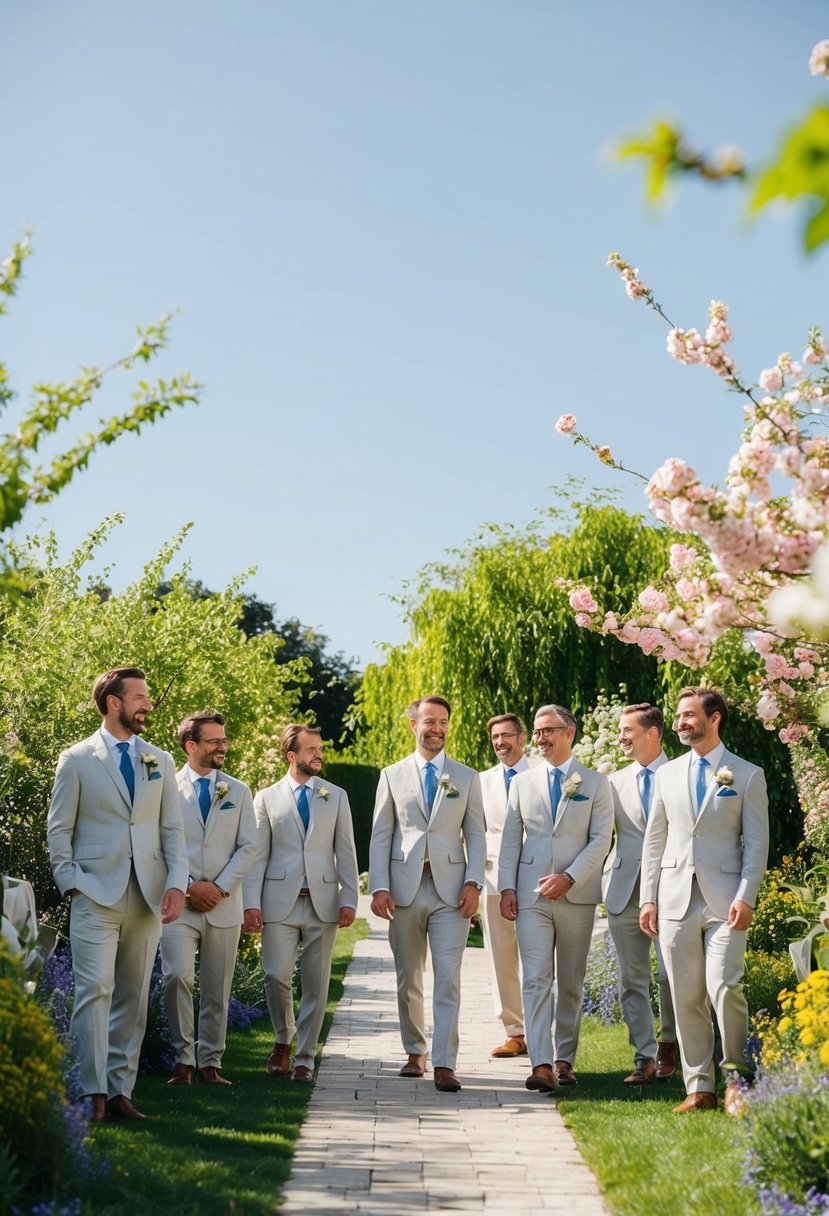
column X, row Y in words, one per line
column 508, row 734
column 302, row 886
column 116, row 845
column 704, row 855
column 640, row 738
column 220, row 829
column 556, row 836
column 427, row 860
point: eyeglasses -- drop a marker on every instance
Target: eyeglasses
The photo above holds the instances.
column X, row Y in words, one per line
column 547, row 732
column 215, row 742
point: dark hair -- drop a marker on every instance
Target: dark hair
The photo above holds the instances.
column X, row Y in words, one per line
column 189, row 730
column 712, row 702
column 649, row 715
column 111, row 684
column 290, row 737
column 412, row 709
column 560, row 711
column 511, row 718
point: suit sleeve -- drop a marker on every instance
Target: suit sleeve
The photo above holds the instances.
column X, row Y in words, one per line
column 382, row 833
column 590, row 860
column 244, row 855
column 512, row 838
column 171, row 829
column 755, row 837
column 60, row 823
column 653, row 846
column 474, row 833
column 253, row 880
column 346, row 855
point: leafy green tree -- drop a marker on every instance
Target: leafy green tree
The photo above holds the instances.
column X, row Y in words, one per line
column 61, row 633
column 22, row 480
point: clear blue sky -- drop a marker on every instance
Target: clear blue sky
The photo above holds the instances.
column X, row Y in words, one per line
column 385, row 223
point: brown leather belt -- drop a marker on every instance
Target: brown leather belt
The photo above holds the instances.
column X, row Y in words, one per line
column 427, row 867
column 304, row 891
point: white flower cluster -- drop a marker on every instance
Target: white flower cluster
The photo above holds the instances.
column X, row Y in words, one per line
column 598, row 748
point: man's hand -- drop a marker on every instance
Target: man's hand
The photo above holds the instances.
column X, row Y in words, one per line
column 509, row 905
column 382, row 905
column 740, row 915
column 554, row 886
column 203, row 896
column 172, row 905
column 253, row 920
column 648, row 920
column 468, row 902
column 346, row 917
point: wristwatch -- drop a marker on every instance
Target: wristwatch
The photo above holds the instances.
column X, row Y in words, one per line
column 479, row 886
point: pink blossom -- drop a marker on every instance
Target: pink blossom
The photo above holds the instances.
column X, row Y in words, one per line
column 763, row 642
column 686, row 589
column 776, row 666
column 819, row 58
column 582, row 601
column 793, row 734
column 681, row 556
column 804, row 654
column 806, row 670
column 566, row 424
column 610, row 623
column 583, row 619
column 630, row 632
column 649, row 639
column 653, row 600
column 786, row 689
column 768, row 709
column 771, row 380
column 635, row 288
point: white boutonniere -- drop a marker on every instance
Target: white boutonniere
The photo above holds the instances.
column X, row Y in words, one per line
column 221, row 789
column 724, row 776
column 571, row 785
column 323, row 792
column 450, row 790
column 150, row 762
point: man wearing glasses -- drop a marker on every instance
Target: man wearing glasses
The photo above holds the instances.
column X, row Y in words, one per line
column 508, row 734
column 556, row 836
column 220, row 829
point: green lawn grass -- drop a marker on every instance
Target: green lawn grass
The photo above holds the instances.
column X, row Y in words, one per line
column 212, row 1150
column 649, row 1161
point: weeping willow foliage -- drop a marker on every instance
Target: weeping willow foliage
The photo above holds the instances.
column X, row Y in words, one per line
column 493, row 631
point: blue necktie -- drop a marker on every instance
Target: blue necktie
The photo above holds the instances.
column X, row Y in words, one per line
column 510, row 773
column 204, row 796
column 303, row 806
column 555, row 792
column 430, row 783
column 702, row 784
column 646, row 791
column 127, row 771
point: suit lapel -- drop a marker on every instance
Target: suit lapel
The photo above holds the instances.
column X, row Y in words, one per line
column 289, row 802
column 190, row 802
column 683, row 778
column 564, row 802
column 416, row 789
column 713, row 787
column 102, row 752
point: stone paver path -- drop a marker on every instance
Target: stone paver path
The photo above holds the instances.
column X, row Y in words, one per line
column 376, row 1142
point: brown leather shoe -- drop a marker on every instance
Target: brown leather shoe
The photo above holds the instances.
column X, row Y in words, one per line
column 182, row 1075
column 565, row 1074
column 302, row 1075
column 643, row 1073
column 703, row 1100
column 516, row 1045
column 415, row 1066
column 212, row 1076
column 278, row 1062
column 99, row 1108
column 665, row 1060
column 446, row 1081
column 543, row 1079
column 120, row 1107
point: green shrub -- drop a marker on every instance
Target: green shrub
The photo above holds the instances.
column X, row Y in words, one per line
column 766, row 976
column 787, row 1126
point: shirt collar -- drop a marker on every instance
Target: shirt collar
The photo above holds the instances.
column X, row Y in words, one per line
column 438, row 761
column 295, row 785
column 564, row 767
column 653, row 766
column 714, row 757
column 194, row 776
column 112, row 742
column 518, row 767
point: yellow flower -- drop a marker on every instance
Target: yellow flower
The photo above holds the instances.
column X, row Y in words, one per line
column 784, row 1024
column 824, row 1054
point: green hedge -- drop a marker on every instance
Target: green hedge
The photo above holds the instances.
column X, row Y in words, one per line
column 360, row 783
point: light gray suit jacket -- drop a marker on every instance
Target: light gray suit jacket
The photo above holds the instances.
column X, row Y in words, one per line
column 403, row 828
column 95, row 835
column 726, row 848
column 533, row 847
column 223, row 849
column 494, row 795
column 620, row 880
column 326, row 856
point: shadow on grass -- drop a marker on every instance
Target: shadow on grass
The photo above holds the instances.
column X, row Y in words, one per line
column 212, row 1149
